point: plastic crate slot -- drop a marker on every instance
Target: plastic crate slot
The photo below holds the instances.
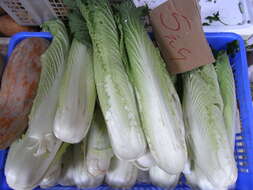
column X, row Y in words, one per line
column 17, row 10
column 239, row 137
column 238, row 144
column 59, row 8
column 240, row 154
column 240, row 163
column 241, row 157
column 243, row 170
column 241, row 150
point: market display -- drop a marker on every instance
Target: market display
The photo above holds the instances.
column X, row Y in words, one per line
column 106, row 110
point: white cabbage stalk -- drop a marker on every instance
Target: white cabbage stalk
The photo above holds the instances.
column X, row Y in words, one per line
column 81, row 177
column 54, row 171
column 99, row 151
column 143, row 177
column 209, row 145
column 158, row 100
column 122, row 174
column 52, row 176
column 196, row 179
column 77, row 96
column 28, row 170
column 67, row 171
column 115, row 92
column 145, row 162
column 38, row 147
column 162, row 179
column 227, row 89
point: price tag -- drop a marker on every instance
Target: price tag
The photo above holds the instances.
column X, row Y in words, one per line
column 179, row 34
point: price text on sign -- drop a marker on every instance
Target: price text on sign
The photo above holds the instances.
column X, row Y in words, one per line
column 179, row 33
column 179, row 20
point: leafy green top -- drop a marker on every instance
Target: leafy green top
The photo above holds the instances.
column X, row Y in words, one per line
column 77, row 23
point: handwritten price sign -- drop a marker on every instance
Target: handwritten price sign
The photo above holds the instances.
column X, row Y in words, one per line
column 179, row 34
column 180, row 20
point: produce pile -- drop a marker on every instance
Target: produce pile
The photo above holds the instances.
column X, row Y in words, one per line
column 101, row 107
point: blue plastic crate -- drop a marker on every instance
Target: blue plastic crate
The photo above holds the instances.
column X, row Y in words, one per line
column 244, row 140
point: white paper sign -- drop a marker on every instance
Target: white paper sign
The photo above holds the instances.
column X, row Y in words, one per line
column 152, row 4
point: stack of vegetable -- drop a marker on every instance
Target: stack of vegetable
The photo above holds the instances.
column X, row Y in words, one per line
column 107, row 110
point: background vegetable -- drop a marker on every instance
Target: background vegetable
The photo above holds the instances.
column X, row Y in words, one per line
column 10, row 27
column 18, row 88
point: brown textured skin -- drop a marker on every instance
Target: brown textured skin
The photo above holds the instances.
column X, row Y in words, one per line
column 18, row 88
column 1, row 66
column 9, row 27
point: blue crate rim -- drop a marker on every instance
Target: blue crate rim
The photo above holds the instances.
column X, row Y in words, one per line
column 23, row 35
